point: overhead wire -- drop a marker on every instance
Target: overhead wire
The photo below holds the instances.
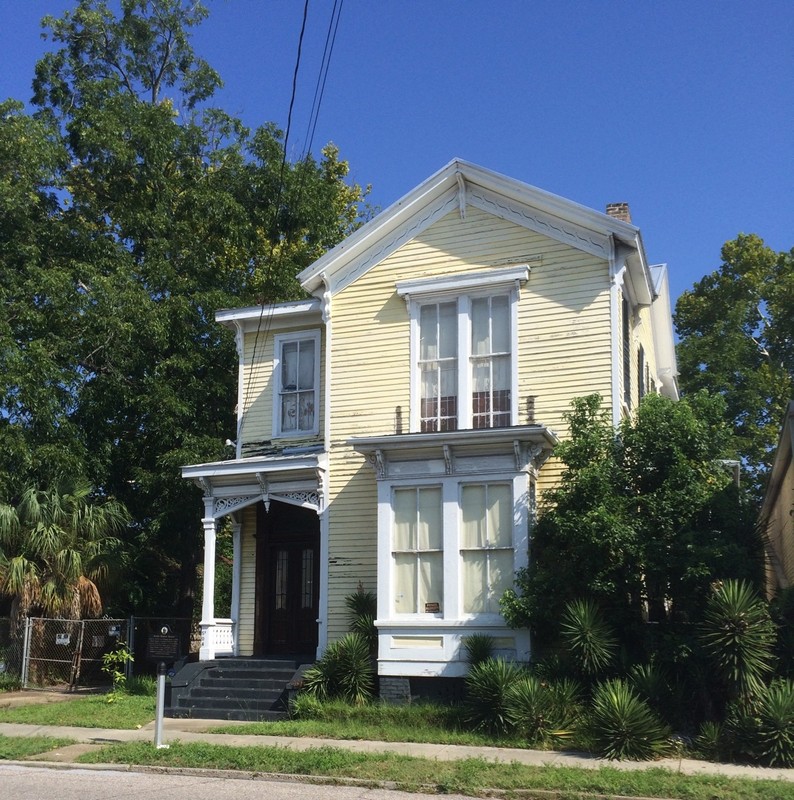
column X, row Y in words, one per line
column 319, row 92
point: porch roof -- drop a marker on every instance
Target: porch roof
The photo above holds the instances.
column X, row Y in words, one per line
column 294, row 478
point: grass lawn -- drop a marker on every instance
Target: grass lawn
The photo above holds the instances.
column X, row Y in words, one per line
column 471, row 776
column 380, row 722
column 14, row 748
column 126, row 711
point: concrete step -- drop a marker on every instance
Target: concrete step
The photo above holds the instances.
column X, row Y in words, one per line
column 226, row 692
column 262, row 684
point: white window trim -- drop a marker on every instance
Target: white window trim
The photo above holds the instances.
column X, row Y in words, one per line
column 488, row 281
column 278, row 341
column 465, row 421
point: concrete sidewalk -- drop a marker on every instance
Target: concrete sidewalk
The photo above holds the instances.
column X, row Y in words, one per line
column 200, row 730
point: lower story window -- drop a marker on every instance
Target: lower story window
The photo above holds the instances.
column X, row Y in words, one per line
column 418, row 550
column 486, row 545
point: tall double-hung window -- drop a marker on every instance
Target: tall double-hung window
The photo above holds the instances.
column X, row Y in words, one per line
column 418, row 550
column 297, row 372
column 486, row 542
column 463, row 348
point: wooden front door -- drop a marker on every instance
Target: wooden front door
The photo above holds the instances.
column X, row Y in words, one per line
column 288, row 581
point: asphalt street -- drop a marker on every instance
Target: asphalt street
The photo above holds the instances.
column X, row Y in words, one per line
column 19, row 782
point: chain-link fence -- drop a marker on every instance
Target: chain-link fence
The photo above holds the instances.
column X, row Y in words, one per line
column 68, row 653
column 47, row 653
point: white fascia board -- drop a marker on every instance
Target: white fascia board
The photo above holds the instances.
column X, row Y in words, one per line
column 460, row 438
column 464, row 282
column 251, row 466
column 279, row 315
column 438, row 195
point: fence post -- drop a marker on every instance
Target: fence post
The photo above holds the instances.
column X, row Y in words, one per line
column 128, row 671
column 25, row 652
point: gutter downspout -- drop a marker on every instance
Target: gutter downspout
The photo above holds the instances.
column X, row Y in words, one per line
column 616, row 281
column 322, row 619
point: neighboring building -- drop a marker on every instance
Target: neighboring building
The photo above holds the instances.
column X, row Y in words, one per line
column 777, row 512
column 395, row 430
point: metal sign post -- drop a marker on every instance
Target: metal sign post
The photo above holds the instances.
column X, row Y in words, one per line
column 162, row 648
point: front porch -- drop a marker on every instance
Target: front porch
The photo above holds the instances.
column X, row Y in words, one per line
column 274, row 504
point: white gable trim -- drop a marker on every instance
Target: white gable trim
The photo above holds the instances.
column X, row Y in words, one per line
column 382, row 248
column 555, row 228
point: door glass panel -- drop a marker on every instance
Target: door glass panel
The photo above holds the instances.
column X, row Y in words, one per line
column 282, row 564
column 307, row 577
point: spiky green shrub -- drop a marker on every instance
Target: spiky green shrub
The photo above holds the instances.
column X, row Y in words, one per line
column 478, row 648
column 362, row 610
column 587, row 637
column 761, row 728
column 305, row 706
column 487, row 686
column 542, row 712
column 738, row 636
column 345, row 671
column 709, row 741
column 622, row 726
column 651, row 683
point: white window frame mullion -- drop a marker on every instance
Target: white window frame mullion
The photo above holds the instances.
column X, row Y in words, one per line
column 465, row 420
column 514, row 418
column 450, row 516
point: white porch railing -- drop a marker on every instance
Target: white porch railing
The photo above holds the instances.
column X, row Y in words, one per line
column 224, row 637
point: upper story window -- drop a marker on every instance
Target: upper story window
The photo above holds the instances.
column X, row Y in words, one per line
column 297, row 393
column 463, row 349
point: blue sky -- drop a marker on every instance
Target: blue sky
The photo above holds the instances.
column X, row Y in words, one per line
column 681, row 108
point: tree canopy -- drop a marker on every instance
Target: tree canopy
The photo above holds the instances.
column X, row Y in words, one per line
column 644, row 519
column 130, row 211
column 736, row 329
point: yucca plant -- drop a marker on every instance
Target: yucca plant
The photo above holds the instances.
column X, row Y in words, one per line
column 588, row 638
column 362, row 610
column 651, row 683
column 478, row 648
column 709, row 741
column 344, row 671
column 487, row 686
column 738, row 637
column 541, row 711
column 775, row 713
column 622, row 725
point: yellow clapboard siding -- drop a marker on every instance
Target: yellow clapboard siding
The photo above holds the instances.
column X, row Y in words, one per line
column 563, row 351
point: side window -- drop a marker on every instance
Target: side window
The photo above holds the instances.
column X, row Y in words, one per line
column 490, row 361
column 438, row 366
column 297, row 376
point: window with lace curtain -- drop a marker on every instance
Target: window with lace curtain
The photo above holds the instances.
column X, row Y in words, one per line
column 297, row 373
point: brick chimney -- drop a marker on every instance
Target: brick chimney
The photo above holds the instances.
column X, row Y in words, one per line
column 619, row 211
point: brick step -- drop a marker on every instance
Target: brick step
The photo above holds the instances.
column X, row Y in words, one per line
column 223, row 673
column 226, row 703
column 237, row 693
column 263, row 684
column 237, row 715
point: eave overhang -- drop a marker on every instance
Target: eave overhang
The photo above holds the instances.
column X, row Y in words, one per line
column 528, row 445
column 461, row 183
column 783, row 458
column 279, row 315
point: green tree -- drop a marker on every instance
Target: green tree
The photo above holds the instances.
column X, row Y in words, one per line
column 643, row 520
column 57, row 547
column 736, row 329
column 163, row 210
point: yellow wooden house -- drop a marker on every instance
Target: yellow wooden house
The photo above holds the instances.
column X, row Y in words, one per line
column 396, row 431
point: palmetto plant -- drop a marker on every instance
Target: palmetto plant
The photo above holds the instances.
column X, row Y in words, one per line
column 478, row 648
column 56, row 546
column 738, row 637
column 590, row 641
column 622, row 725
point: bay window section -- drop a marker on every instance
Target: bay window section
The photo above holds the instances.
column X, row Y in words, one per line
column 417, row 542
column 490, row 361
column 438, row 366
column 486, row 545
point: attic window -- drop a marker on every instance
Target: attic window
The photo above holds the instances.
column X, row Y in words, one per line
column 296, row 369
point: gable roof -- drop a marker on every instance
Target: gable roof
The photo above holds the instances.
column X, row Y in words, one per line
column 460, row 184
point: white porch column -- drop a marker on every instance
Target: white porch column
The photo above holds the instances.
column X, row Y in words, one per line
column 237, row 553
column 207, row 624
